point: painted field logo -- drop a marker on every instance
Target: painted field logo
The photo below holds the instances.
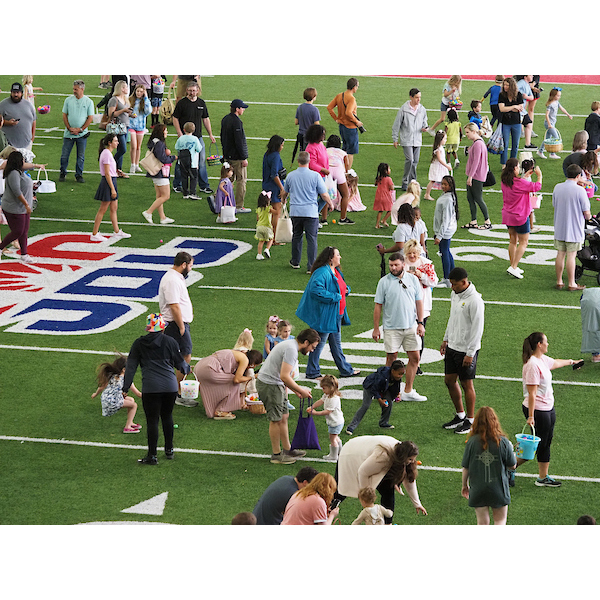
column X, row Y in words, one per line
column 78, row 287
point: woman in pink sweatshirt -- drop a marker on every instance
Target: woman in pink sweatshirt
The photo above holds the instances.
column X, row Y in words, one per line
column 477, row 169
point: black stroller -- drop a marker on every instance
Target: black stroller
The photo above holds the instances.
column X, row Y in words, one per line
column 589, row 255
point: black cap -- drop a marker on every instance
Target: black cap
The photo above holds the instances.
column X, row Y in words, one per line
column 237, row 103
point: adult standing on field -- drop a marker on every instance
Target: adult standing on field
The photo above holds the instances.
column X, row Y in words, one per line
column 476, row 170
column 193, row 109
column 407, row 131
column 274, row 376
column 346, row 118
column 77, row 114
column 460, row 347
column 304, row 188
column 158, row 356
column 176, row 307
column 538, row 400
column 399, row 301
column 120, row 109
column 235, row 150
column 571, row 210
column 19, row 120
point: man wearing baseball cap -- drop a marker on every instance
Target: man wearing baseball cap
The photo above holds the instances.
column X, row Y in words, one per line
column 19, row 119
column 235, row 150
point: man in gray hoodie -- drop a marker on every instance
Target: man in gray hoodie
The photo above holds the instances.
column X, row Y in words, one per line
column 460, row 347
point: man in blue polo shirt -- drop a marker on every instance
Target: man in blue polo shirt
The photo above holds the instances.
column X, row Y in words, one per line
column 77, row 115
column 304, row 187
column 399, row 299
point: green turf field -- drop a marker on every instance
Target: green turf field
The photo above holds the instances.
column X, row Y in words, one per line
column 63, row 463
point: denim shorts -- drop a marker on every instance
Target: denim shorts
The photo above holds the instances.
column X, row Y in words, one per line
column 335, row 429
column 350, row 139
column 525, row 228
column 156, row 102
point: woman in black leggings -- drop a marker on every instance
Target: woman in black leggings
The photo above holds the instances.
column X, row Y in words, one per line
column 157, row 354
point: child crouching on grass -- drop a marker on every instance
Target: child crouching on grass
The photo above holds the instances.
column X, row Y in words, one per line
column 332, row 411
column 110, row 386
column 371, row 514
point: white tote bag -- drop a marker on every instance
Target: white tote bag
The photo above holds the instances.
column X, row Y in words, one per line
column 283, row 235
column 227, row 214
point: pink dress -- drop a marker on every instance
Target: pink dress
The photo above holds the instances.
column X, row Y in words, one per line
column 384, row 196
column 217, row 389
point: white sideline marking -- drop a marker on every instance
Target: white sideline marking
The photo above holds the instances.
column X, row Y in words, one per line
column 11, row 438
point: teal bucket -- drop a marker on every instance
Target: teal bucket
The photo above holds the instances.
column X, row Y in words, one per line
column 526, row 444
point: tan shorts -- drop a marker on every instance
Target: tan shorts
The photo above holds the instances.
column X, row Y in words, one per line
column 394, row 339
column 567, row 246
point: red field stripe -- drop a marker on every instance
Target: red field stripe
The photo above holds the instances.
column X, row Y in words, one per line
column 582, row 79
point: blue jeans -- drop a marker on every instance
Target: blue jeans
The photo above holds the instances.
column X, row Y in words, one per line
column 202, row 171
column 121, row 150
column 309, row 226
column 447, row 258
column 514, row 133
column 68, row 143
column 335, row 345
column 386, row 411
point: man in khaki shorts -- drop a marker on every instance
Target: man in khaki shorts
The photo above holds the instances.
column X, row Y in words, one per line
column 571, row 210
column 399, row 299
column 274, row 376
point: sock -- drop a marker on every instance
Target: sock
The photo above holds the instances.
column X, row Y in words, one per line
column 461, row 415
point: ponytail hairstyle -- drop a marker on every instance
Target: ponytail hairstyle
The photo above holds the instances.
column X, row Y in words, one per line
column 406, row 214
column 105, row 142
column 508, row 173
column 530, row 343
column 264, row 199
column 552, row 96
column 450, row 181
column 107, row 370
column 382, row 171
column 245, row 340
column 331, row 382
column 437, row 142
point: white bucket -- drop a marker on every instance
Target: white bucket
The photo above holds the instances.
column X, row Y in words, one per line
column 189, row 389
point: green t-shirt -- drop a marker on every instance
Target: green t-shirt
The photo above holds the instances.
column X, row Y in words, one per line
column 77, row 111
column 264, row 217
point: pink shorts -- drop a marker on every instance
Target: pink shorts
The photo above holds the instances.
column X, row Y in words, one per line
column 339, row 174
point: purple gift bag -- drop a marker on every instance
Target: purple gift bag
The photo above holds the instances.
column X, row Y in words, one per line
column 306, row 437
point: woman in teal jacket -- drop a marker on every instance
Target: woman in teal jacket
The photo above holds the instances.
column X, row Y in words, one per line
column 323, row 307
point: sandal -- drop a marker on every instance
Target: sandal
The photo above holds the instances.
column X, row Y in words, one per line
column 560, row 286
column 223, row 416
column 130, row 430
column 484, row 226
column 470, row 226
column 121, row 174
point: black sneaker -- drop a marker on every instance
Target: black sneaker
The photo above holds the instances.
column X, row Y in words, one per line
column 346, row 221
column 207, row 190
column 177, row 190
column 169, row 453
column 62, row 176
column 419, row 372
column 547, row 482
column 464, row 427
column 294, row 266
column 454, row 423
column 349, row 431
column 148, row 460
column 323, row 221
column 530, row 147
column 386, row 426
column 79, row 179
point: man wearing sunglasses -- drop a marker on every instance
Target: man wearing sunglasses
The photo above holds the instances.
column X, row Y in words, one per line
column 399, row 301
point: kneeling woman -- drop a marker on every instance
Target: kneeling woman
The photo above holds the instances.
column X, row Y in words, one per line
column 220, row 375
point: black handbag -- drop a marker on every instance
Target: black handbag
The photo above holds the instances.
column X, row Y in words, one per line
column 490, row 180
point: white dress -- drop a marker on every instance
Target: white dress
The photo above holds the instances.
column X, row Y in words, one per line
column 437, row 170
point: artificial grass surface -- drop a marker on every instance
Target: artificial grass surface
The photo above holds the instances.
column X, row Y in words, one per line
column 47, row 394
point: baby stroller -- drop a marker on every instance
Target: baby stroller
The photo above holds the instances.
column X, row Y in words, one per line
column 589, row 255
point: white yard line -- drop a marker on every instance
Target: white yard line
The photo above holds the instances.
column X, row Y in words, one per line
column 14, row 438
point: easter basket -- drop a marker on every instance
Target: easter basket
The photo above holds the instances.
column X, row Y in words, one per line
column 255, row 406
column 215, row 158
column 553, row 143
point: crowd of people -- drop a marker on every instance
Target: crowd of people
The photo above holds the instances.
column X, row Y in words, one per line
column 402, row 299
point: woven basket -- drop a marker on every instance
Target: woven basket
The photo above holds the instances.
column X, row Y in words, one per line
column 215, row 158
column 557, row 146
column 256, row 407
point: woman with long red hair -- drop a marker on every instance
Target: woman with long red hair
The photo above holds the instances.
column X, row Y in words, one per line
column 488, row 457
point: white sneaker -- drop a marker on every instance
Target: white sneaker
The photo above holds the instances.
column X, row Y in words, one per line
column 166, row 221
column 553, row 155
column 260, row 257
column 456, row 163
column 186, row 197
column 26, row 258
column 540, row 154
column 520, row 270
column 412, row 396
column 98, row 238
column 132, row 169
column 121, row 235
column 514, row 273
column 147, row 216
column 267, row 253
column 444, row 283
column 194, row 197
column 138, row 169
column 535, row 229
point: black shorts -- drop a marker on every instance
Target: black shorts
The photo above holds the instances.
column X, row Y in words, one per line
column 184, row 341
column 526, row 120
column 453, row 364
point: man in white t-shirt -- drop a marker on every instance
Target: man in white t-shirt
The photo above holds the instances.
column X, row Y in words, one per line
column 176, row 308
